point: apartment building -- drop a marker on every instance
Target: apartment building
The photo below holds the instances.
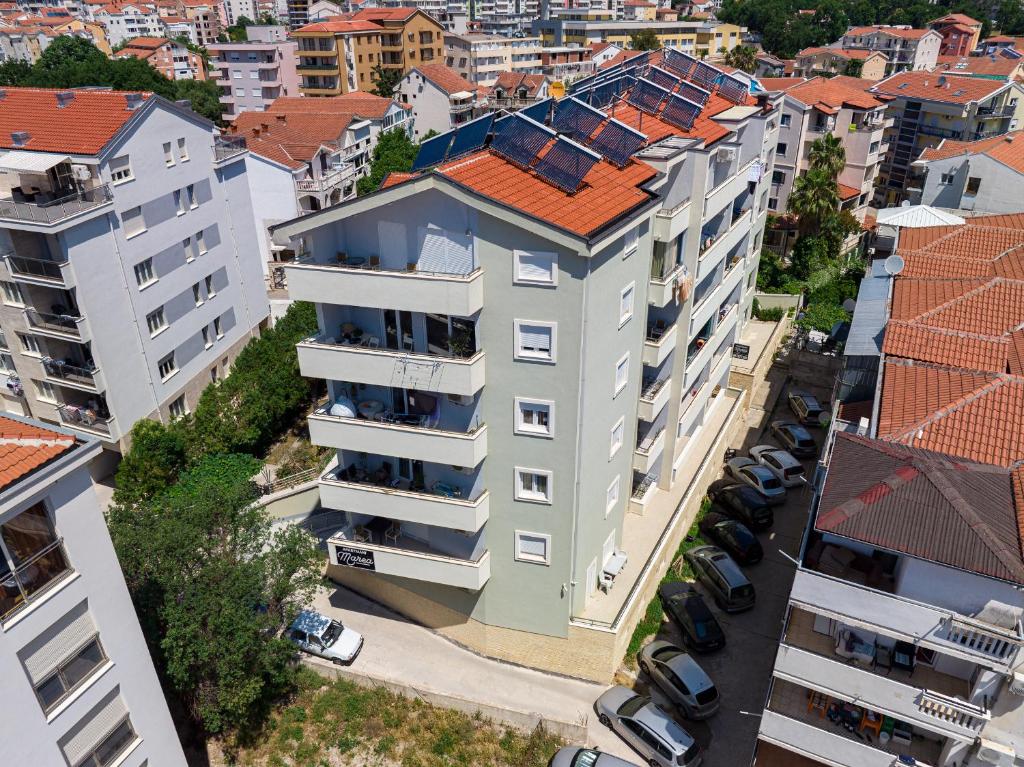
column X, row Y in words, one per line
column 124, row 22
column 168, row 57
column 75, row 671
column 409, row 38
column 480, row 58
column 811, row 62
column 528, row 367
column 513, row 91
column 252, row 74
column 439, row 98
column 903, row 637
column 928, row 107
column 961, row 34
column 979, row 176
column 999, row 64
column 130, row 277
column 839, row 106
column 566, row 62
column 907, row 49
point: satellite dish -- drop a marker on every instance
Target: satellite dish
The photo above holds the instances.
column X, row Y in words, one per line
column 894, row 265
column 849, row 305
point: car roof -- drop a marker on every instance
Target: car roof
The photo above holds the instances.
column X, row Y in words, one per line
column 806, row 396
column 660, row 723
column 763, row 472
column 798, row 430
column 687, row 669
column 741, row 460
column 310, row 622
column 727, row 566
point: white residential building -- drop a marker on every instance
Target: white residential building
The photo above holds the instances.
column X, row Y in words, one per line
column 131, row 275
column 439, row 97
column 123, row 22
column 75, row 672
column 482, row 58
column 983, row 176
column 526, row 368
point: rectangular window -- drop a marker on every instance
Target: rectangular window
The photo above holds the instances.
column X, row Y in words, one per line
column 28, row 537
column 133, row 222
column 155, row 321
column 168, row 154
column 534, row 417
column 533, row 485
column 626, row 304
column 29, row 344
column 612, row 496
column 178, row 408
column 631, row 242
column 778, row 177
column 12, row 293
column 773, row 203
column 6, row 363
column 72, row 672
column 179, row 202
column 236, row 74
column 144, row 272
column 535, row 340
column 207, row 343
column 533, row 547
column 947, row 178
column 618, row 430
column 190, row 193
column 201, row 242
column 217, row 331
column 120, row 169
column 45, row 391
column 167, row 367
column 622, row 373
column 239, row 91
column 786, row 120
column 186, row 245
column 182, row 150
column 782, row 148
column 113, row 742
column 210, row 292
column 973, row 185
column 536, row 268
column 197, row 294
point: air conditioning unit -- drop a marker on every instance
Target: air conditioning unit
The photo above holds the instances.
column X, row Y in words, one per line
column 995, row 753
column 81, row 172
column 726, row 154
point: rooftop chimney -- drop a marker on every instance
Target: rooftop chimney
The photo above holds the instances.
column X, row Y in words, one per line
column 282, row 118
column 64, row 98
column 132, row 101
column 20, row 137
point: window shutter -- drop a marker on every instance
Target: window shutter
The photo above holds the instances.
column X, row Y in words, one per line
column 445, row 252
column 59, row 642
column 536, row 267
column 91, row 731
column 533, row 546
column 432, row 250
column 535, row 337
column 459, row 253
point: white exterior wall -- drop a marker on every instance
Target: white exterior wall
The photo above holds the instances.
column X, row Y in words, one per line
column 431, row 108
column 992, row 197
column 273, row 199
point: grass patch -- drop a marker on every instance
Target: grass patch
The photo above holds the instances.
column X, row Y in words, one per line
column 679, row 570
column 339, row 723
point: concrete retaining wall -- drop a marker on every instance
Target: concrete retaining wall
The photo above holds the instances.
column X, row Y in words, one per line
column 294, row 504
column 748, row 380
column 782, row 300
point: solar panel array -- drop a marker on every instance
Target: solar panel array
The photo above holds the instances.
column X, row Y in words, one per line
column 577, row 119
column 647, row 97
column 732, row 89
column 680, row 112
column 705, row 75
column 679, row 62
column 520, row 139
column 470, row 136
column 566, row 164
column 659, row 76
column 694, row 93
column 539, row 111
column 432, row 151
column 618, row 142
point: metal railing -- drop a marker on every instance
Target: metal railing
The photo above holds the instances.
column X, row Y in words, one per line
column 84, row 418
column 40, row 268
column 641, row 487
column 656, row 334
column 414, row 421
column 31, row 577
column 57, row 323
column 225, row 147
column 324, row 182
column 66, row 371
column 652, row 388
column 52, row 211
column 996, row 111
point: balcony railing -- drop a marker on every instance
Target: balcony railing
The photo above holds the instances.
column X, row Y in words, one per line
column 651, row 389
column 647, row 444
column 84, row 418
column 52, row 211
column 225, row 147
column 953, row 711
column 326, row 181
column 70, row 372
column 996, row 111
column 39, row 268
column 31, row 578
column 65, row 324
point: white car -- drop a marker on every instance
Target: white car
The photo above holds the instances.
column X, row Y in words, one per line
column 319, row 635
column 750, row 472
column 781, row 463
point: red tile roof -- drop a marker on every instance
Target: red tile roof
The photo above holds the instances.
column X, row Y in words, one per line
column 843, row 53
column 366, row 105
column 847, row 192
column 996, row 65
column 827, row 92
column 947, row 347
column 511, row 81
column 25, row 447
column 1007, row 149
column 290, row 139
column 384, row 14
column 340, row 27
column 445, row 78
column 927, row 86
column 83, row 126
column 904, row 34
column 957, row 18
column 780, row 83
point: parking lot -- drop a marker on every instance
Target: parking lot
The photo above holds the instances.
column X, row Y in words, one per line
column 742, row 670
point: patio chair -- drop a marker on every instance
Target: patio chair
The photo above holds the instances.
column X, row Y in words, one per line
column 393, row 533
column 371, row 342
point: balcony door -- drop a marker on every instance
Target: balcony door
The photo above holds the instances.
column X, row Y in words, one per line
column 398, row 334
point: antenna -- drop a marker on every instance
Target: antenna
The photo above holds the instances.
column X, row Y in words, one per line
column 894, row 265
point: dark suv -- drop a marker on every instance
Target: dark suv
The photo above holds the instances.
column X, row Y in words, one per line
column 687, row 609
column 741, row 502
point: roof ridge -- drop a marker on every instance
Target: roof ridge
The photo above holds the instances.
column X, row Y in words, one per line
column 952, row 332
column 963, row 296
column 1000, row 380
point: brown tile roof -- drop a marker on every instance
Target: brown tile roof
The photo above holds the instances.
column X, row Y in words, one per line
column 956, row 18
column 445, row 78
column 1007, row 149
column 978, row 65
column 826, row 92
column 384, row 14
column 847, row 192
column 946, row 347
column 25, row 447
column 84, row 126
column 859, row 54
column 290, row 139
column 511, row 81
column 927, row 86
column 365, row 105
column 780, row 83
column 339, row 27
column 918, row 502
column 904, row 34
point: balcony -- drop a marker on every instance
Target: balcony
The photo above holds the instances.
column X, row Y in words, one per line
column 316, row 68
column 648, row 450
column 659, row 343
column 64, row 326
column 327, row 359
column 326, row 181
column 77, row 375
column 663, row 288
column 416, row 440
column 459, row 295
column 995, row 111
column 441, row 505
column 40, row 210
column 87, row 420
column 32, row 577
column 38, row 271
column 407, row 557
column 227, row 147
column 653, row 398
column 644, row 490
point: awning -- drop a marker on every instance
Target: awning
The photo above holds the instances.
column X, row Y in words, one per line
column 462, row 95
column 31, row 162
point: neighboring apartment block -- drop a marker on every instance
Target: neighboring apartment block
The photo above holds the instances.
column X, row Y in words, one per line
column 252, row 74
column 481, row 58
column 512, row 91
column 869, row 65
column 927, row 107
column 903, row 639
column 124, row 22
column 75, row 672
column 440, row 98
column 528, row 360
column 985, row 176
column 960, row 34
column 130, row 274
column 839, row 106
column 168, row 57
column 906, row 49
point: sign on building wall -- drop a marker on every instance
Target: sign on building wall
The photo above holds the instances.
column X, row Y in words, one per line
column 358, row 558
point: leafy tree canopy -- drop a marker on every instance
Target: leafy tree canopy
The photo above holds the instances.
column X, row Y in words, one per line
column 395, row 152
column 385, row 80
column 644, row 40
column 742, row 57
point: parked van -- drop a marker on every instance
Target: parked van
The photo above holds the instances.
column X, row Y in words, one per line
column 731, row 589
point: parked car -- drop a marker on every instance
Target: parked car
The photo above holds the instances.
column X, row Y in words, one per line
column 805, row 407
column 720, row 575
column 749, row 472
column 781, row 463
column 648, row 728
column 733, row 536
column 574, row 756
column 681, row 678
column 741, row 502
column 795, row 438
column 686, row 607
column 319, row 635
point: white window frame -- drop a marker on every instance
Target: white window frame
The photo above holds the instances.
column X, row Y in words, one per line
column 612, row 495
column 29, row 345
column 626, row 314
column 210, row 290
column 201, row 242
column 786, row 120
column 190, row 192
column 156, row 322
column 615, row 441
column 520, row 557
column 530, row 430
column 12, row 293
column 143, row 268
column 619, row 363
column 517, row 275
column 182, row 150
column 217, row 329
column 163, row 363
column 631, row 242
column 168, row 154
column 129, row 218
column 532, row 496
column 45, row 391
column 121, row 170
column 207, row 343
column 529, row 356
column 178, row 408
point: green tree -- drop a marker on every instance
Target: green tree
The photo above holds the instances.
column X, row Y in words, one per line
column 815, row 196
column 828, row 155
column 853, row 68
column 152, row 463
column 385, row 80
column 644, row 40
column 394, row 152
column 203, row 95
column 14, row 72
column 214, row 585
column 742, row 57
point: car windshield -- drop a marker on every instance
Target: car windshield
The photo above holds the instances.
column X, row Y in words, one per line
column 585, row 758
column 332, row 633
column 805, row 442
column 750, row 497
column 771, row 483
column 704, row 629
column 631, row 706
column 743, row 592
column 741, row 535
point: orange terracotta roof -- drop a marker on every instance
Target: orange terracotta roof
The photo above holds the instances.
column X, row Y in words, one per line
column 947, row 347
column 843, row 53
column 146, row 42
column 1007, row 149
column 395, row 178
column 366, row 105
column 84, row 126
column 957, row 18
column 995, row 65
column 904, row 34
column 847, row 192
column 384, row 14
column 25, row 447
column 290, row 139
column 927, row 86
column 339, row 27
column 824, row 91
column 510, row 81
column 773, row 84
column 445, row 78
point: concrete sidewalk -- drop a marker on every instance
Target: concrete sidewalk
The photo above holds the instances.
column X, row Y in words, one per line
column 406, row 656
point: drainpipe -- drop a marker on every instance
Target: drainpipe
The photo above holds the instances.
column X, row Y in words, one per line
column 579, row 441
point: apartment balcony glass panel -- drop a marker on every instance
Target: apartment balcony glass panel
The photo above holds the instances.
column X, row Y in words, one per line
column 37, row 271
column 32, row 558
column 227, row 147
